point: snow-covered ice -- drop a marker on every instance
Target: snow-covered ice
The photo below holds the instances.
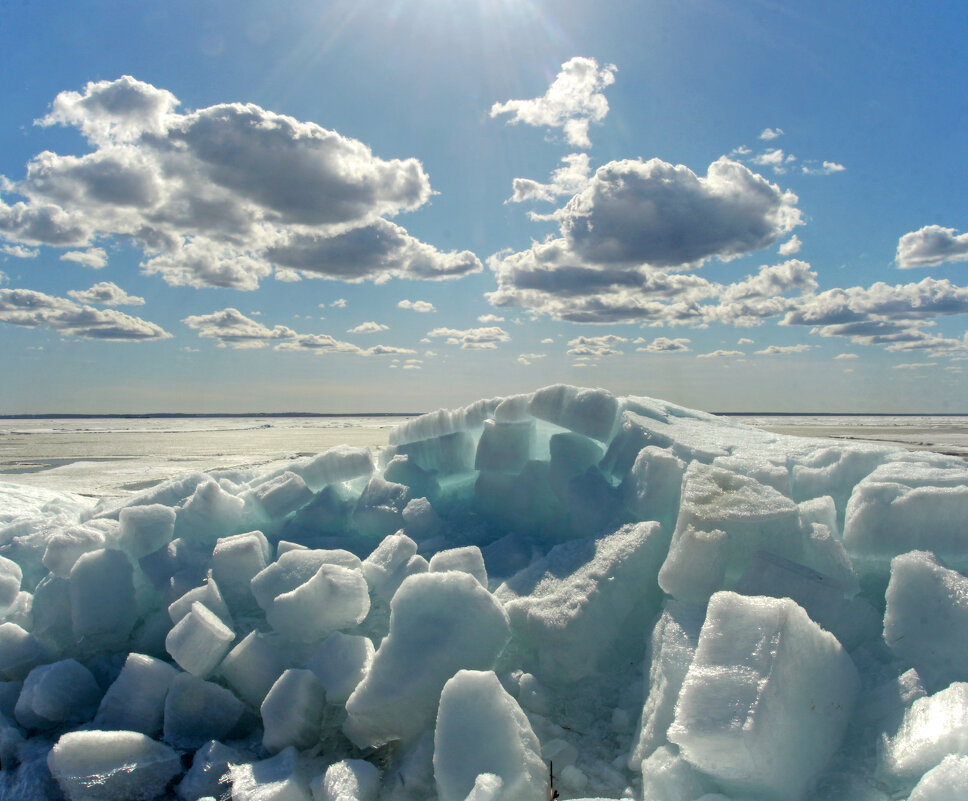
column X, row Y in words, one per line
column 667, row 605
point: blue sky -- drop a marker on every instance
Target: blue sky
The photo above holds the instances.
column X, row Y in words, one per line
column 404, row 204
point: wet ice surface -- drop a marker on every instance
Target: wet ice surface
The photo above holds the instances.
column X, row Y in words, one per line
column 668, row 605
column 114, row 457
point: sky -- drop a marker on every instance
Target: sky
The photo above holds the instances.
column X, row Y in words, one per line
column 400, row 205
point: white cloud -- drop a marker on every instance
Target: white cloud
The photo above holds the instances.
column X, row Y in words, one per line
column 369, row 327
column 846, row 356
column 750, row 301
column 95, row 258
column 223, row 195
column 339, row 303
column 547, row 341
column 490, row 318
column 287, row 276
column 774, row 158
column 595, row 346
column 666, row 345
column 744, row 341
column 527, row 359
column 720, row 354
column 413, row 364
column 914, row 365
column 574, row 100
column 930, row 246
column 771, row 133
column 566, row 180
column 19, row 252
column 233, row 329
column 826, row 168
column 421, row 306
column 471, row 338
column 791, row 246
column 106, row 293
column 33, row 309
column 779, row 350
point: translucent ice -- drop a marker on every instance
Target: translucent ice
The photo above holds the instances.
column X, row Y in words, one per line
column 62, row 693
column 145, row 528
column 348, row 779
column 293, row 711
column 199, row 641
column 135, row 701
column 197, row 711
column 252, row 667
column 334, row 598
column 103, row 608
column 340, row 663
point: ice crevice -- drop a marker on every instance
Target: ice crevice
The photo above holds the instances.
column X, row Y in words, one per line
column 667, row 605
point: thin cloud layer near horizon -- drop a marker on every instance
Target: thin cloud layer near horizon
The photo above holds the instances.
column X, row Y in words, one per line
column 376, row 206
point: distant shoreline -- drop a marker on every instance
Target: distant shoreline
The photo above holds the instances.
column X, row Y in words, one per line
column 240, row 415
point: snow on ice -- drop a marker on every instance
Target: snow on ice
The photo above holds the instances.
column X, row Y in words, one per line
column 667, row 605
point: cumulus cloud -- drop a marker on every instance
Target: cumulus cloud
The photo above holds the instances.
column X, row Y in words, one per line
column 106, row 293
column 33, row 309
column 223, row 195
column 771, row 133
column 846, row 356
column 750, row 301
column 421, row 306
column 233, row 329
column 914, row 365
column 791, row 246
column 95, row 258
column 826, row 168
column 930, row 246
column 666, row 345
column 339, row 303
column 744, row 341
column 527, row 359
column 720, row 354
column 574, row 100
column 779, row 350
column 19, row 252
column 490, row 318
column 595, row 346
column 566, row 180
column 369, row 327
column 471, row 338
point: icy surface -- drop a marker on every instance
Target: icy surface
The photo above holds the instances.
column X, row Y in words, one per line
column 667, row 605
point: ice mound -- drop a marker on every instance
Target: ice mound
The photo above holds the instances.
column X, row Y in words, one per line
column 666, row 605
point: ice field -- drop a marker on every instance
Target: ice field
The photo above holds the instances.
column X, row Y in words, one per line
column 668, row 605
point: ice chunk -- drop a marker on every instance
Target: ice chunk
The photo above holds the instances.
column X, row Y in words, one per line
column 326, row 513
column 210, row 513
column 340, row 663
column 20, row 652
column 570, row 455
column 505, row 447
column 386, row 567
column 445, row 421
column 591, row 412
column 252, row 667
column 420, row 482
column 65, row 547
column 468, row 559
column 348, row 780
column 725, row 518
column 926, row 621
column 292, row 712
column 235, row 562
column 135, row 701
column 294, row 568
column 197, row 711
column 279, row 496
column 209, row 774
column 209, row 595
column 199, row 641
column 887, row 518
column 420, row 520
column 672, row 647
column 481, row 729
column 821, row 510
column 279, row 778
column 766, row 701
column 338, row 464
column 335, row 597
column 756, row 467
column 450, row 453
column 571, row 607
column 947, row 782
column 652, row 486
column 439, row 623
column 379, row 509
column 103, row 608
column 62, row 693
column 10, row 577
column 112, row 766
column 666, row 776
column 933, row 728
column 145, row 529
column 834, row 471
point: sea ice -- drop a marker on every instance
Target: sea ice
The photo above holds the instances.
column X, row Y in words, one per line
column 135, row 701
column 292, row 712
column 197, row 711
column 199, row 641
column 340, row 663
